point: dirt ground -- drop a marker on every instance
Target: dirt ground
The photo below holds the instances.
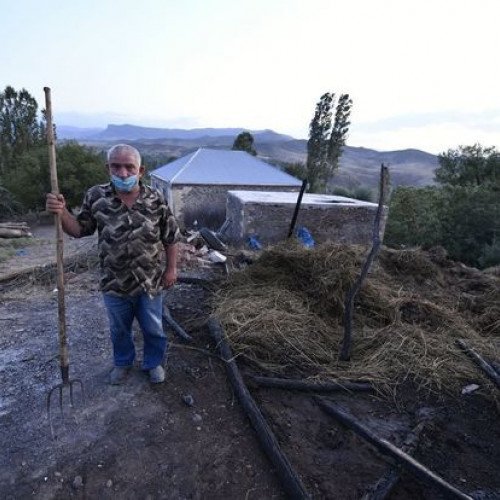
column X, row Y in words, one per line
column 138, row 441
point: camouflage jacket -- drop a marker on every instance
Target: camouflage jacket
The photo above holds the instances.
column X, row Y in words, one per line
column 131, row 240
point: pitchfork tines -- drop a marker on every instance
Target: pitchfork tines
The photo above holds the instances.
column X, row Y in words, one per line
column 65, row 384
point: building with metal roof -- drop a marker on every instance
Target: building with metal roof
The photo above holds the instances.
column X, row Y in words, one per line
column 196, row 185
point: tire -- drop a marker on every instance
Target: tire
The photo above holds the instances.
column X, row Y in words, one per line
column 212, row 240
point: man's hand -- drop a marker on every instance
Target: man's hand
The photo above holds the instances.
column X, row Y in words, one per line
column 55, row 203
column 170, row 278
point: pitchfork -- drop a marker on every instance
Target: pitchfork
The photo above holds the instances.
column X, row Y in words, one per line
column 63, row 340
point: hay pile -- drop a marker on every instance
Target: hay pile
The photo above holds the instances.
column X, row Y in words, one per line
column 284, row 313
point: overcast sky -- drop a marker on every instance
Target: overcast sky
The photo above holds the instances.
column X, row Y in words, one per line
column 422, row 74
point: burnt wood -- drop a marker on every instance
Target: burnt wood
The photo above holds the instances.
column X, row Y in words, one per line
column 175, row 326
column 307, row 386
column 383, row 487
column 388, row 449
column 290, row 480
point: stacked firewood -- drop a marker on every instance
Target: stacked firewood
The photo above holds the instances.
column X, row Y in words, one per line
column 14, row 230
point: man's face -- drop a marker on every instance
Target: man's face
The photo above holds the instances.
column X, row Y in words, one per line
column 124, row 165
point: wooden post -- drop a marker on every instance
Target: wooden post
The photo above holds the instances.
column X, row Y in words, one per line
column 345, row 352
column 297, row 207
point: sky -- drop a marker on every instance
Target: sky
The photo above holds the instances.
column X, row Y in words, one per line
column 422, row 74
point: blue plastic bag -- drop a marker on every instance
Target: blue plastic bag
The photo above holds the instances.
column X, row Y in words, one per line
column 254, row 243
column 304, row 236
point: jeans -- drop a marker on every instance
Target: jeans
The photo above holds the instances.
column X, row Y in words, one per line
column 121, row 314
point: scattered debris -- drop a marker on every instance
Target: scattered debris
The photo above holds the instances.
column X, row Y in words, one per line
column 15, row 230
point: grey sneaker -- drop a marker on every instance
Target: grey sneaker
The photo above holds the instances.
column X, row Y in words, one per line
column 157, row 375
column 118, row 375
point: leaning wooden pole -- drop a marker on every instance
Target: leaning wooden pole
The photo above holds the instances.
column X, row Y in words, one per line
column 384, row 486
column 297, row 208
column 291, row 482
column 345, row 351
column 388, row 449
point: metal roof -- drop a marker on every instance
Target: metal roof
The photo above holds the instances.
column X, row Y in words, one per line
column 217, row 166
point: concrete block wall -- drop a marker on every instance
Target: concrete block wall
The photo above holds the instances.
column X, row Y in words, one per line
column 267, row 215
column 209, row 197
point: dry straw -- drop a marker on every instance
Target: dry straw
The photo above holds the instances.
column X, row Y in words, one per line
column 284, row 313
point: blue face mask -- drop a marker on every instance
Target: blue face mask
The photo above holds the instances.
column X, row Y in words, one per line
column 124, row 184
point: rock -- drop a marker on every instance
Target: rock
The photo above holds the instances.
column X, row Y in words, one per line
column 197, row 418
column 470, row 388
column 109, row 483
column 77, row 482
column 188, row 400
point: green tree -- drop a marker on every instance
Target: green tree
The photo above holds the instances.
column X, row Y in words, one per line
column 20, row 128
column 27, row 180
column 462, row 215
column 297, row 169
column 470, row 223
column 339, row 131
column 244, row 142
column 317, row 145
column 414, row 217
column 327, row 139
column 79, row 167
column 469, row 166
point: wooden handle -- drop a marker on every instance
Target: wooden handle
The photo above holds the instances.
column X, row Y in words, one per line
column 51, row 141
column 63, row 341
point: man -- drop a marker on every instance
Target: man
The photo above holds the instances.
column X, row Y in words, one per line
column 135, row 227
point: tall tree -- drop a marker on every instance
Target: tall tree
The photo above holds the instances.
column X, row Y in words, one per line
column 327, row 139
column 244, row 142
column 339, row 131
column 20, row 128
column 317, row 145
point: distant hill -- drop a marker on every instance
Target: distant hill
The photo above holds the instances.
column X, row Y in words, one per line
column 361, row 166
column 67, row 132
column 134, row 132
column 358, row 166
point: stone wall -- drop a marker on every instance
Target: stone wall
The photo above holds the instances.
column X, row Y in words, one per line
column 208, row 201
column 268, row 215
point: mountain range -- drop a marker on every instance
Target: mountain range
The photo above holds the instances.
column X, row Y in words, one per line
column 358, row 166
